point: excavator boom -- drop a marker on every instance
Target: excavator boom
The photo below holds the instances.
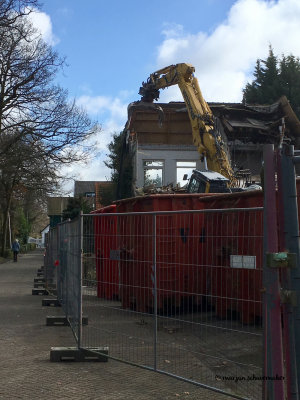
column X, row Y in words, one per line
column 206, row 136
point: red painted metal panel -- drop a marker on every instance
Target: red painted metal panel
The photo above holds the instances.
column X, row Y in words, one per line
column 107, row 269
column 177, row 250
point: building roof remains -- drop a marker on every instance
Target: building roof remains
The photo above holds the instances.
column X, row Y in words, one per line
column 169, row 122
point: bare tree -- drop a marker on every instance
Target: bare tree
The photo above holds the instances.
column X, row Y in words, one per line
column 30, row 103
column 24, row 169
column 12, row 10
column 40, row 128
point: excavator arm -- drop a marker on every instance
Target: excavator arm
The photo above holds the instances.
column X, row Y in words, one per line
column 206, row 135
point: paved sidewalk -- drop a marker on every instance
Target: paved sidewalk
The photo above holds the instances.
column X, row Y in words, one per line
column 25, row 341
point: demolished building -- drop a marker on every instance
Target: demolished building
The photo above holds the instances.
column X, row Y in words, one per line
column 162, row 153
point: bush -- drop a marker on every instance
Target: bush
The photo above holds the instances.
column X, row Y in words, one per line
column 25, row 248
column 7, row 253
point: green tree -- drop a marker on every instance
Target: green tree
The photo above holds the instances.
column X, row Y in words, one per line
column 274, row 78
column 289, row 79
column 265, row 88
column 75, row 206
column 23, row 226
column 120, row 161
column 107, row 193
column 251, row 91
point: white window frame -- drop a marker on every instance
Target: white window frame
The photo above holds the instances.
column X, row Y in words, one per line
column 158, row 167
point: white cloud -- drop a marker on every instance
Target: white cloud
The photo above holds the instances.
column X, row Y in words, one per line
column 112, row 115
column 94, row 104
column 224, row 59
column 99, row 105
column 93, row 171
column 42, row 22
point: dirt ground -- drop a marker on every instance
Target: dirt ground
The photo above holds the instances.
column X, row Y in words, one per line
column 195, row 345
column 25, row 341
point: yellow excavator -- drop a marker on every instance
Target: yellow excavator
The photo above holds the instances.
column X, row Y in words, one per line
column 218, row 175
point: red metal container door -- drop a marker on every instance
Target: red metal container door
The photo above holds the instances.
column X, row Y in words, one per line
column 136, row 261
column 235, row 289
column 177, row 261
column 106, row 241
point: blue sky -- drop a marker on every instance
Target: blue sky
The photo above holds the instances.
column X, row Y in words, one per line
column 112, row 46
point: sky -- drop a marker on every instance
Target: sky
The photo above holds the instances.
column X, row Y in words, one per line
column 111, row 47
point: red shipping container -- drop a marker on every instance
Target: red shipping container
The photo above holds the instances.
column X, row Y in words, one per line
column 191, row 260
column 193, row 256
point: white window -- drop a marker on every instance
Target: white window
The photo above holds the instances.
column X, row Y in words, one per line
column 153, row 172
column 184, row 168
column 90, row 194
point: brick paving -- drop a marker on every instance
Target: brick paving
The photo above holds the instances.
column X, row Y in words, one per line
column 25, row 341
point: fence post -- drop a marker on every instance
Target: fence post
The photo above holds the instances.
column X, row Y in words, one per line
column 154, row 280
column 273, row 350
column 58, row 267
column 66, row 252
column 79, row 272
column 291, row 278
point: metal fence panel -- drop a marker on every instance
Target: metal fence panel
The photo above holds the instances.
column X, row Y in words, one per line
column 50, row 260
column 69, row 272
column 179, row 293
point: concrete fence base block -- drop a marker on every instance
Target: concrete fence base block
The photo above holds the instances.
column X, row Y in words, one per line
column 57, row 321
column 39, row 280
column 51, row 292
column 42, row 292
column 39, row 285
column 51, row 285
column 51, row 303
column 62, row 321
column 58, row 354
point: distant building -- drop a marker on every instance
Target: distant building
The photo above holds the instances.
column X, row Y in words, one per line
column 43, row 234
column 93, row 191
column 84, row 189
column 87, row 190
column 55, row 207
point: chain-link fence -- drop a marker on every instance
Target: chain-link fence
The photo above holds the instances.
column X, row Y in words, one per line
column 178, row 293
column 206, row 296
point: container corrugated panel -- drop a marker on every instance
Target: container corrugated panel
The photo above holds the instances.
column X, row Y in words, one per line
column 178, row 247
column 107, row 269
column 234, row 234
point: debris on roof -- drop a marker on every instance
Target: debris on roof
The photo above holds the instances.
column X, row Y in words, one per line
column 246, row 123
